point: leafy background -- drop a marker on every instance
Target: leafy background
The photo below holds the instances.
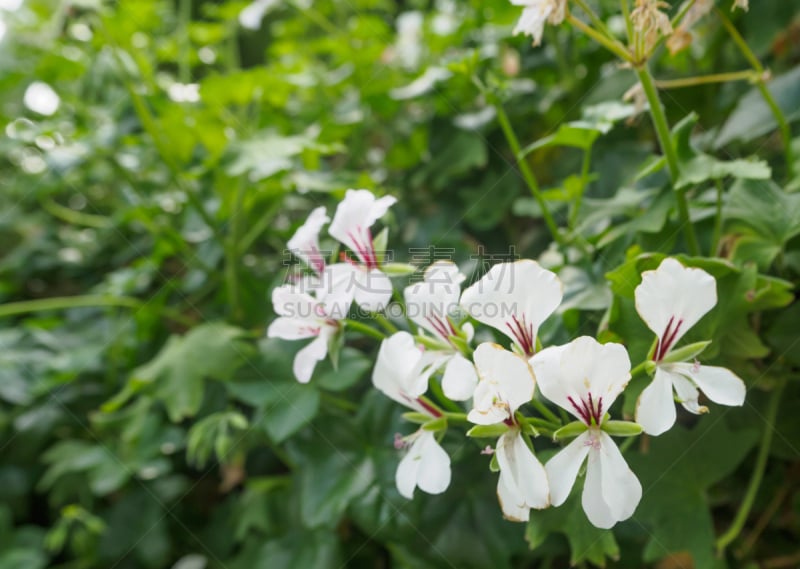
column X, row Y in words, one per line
column 146, row 422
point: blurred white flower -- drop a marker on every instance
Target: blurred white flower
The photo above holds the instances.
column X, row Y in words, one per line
column 184, row 92
column 671, row 300
column 426, row 466
column 534, row 15
column 742, row 4
column 40, row 98
column 250, row 17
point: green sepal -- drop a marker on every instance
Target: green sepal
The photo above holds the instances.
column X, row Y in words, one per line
column 379, row 245
column 686, row 353
column 398, row 269
column 431, row 343
column 494, row 466
column 335, row 345
column 487, row 431
column 415, row 417
column 529, row 429
column 570, row 430
column 622, row 428
column 650, row 367
column 437, row 424
column 461, row 344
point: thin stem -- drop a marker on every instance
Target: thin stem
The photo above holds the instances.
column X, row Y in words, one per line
column 626, row 14
column 783, row 125
column 364, row 329
column 444, row 401
column 545, row 411
column 527, row 174
column 758, row 471
column 670, row 153
column 594, row 18
column 75, row 217
column 576, row 205
column 717, row 234
column 767, row 516
column 232, row 252
column 542, row 424
column 610, row 44
column 387, row 325
column 456, row 417
column 746, row 75
column 258, row 228
column 638, row 369
column 86, row 301
column 343, row 404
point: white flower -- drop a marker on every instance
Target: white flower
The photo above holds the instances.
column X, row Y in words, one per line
column 402, row 371
column 742, row 4
column 536, row 13
column 430, row 304
column 515, row 298
column 305, row 241
column 426, row 465
column 302, row 315
column 354, row 216
column 506, row 383
column 671, row 300
column 584, row 378
column 523, row 481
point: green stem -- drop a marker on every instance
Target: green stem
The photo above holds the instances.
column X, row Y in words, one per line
column 527, row 174
column 232, row 253
column 638, row 369
column 758, row 471
column 783, row 124
column 746, row 75
column 595, row 19
column 543, row 424
column 387, row 325
column 610, row 44
column 184, row 62
column 670, row 153
column 343, row 404
column 364, row 329
column 76, row 217
column 86, row 301
column 717, row 234
column 441, row 398
column 626, row 14
column 545, row 411
column 456, row 417
column 576, row 205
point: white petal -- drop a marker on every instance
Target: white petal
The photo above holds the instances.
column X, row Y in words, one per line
column 611, row 491
column 354, row 216
column 306, row 359
column 486, row 409
column 513, row 297
column 674, row 291
column 688, row 394
column 395, row 368
column 290, row 300
column 512, row 504
column 719, row 384
column 429, row 304
column 655, row 410
column 509, row 372
column 563, row 468
column 292, row 328
column 405, row 476
column 373, row 291
column 305, row 241
column 580, row 368
column 532, row 20
column 336, row 287
column 522, row 470
column 433, row 476
column 460, row 379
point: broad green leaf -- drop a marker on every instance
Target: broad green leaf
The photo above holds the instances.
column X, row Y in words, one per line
column 696, row 167
column 283, row 407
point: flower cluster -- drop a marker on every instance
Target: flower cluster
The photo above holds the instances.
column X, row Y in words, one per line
column 501, row 386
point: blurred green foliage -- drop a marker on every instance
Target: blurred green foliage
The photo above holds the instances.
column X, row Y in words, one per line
column 157, row 155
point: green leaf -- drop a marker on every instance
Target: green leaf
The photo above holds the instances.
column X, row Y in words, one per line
column 677, row 474
column 177, row 373
column 763, row 217
column 586, row 542
column 284, row 407
column 353, row 365
column 696, row 167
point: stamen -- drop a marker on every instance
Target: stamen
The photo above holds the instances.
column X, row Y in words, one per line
column 523, row 333
column 667, row 339
column 580, row 410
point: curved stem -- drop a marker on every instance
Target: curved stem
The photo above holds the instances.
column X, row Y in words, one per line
column 527, row 174
column 364, row 329
column 546, row 412
column 86, row 301
column 386, row 323
column 670, row 153
column 610, row 44
column 758, row 471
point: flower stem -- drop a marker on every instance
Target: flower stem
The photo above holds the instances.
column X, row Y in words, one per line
column 232, row 253
column 364, row 329
column 758, row 471
column 387, row 325
column 610, row 44
column 746, row 75
column 717, row 234
column 547, row 413
column 527, row 174
column 670, row 153
column 783, row 125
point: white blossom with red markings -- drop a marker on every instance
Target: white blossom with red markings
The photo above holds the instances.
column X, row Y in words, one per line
column 585, row 378
column 671, row 300
column 351, row 226
column 515, row 298
column 432, row 305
